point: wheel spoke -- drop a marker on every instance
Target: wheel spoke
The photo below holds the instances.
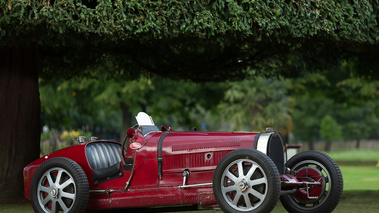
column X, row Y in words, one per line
column 59, row 176
column 63, row 205
column 240, row 169
column 49, row 179
column 68, row 195
column 247, row 200
column 46, row 200
column 251, row 171
column 54, row 206
column 256, row 194
column 258, row 181
column 237, row 198
column 66, row 183
column 231, row 176
column 229, row 189
column 43, row 189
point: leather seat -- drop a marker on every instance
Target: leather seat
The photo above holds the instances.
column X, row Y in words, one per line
column 104, row 159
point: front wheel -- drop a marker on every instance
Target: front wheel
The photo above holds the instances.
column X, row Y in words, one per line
column 246, row 180
column 59, row 185
column 317, row 166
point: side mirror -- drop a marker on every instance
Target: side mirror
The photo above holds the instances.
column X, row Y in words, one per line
column 130, row 133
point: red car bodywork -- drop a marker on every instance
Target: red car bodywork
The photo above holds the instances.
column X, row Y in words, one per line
column 198, row 152
column 240, row 172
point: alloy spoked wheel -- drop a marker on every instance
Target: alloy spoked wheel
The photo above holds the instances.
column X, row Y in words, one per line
column 246, row 180
column 244, row 184
column 314, row 166
column 59, row 185
column 56, row 190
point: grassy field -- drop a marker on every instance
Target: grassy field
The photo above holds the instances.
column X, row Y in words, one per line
column 355, row 155
column 360, row 178
column 361, row 185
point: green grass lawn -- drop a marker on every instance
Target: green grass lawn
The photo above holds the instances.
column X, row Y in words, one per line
column 360, row 177
column 359, row 168
column 355, row 157
column 355, row 154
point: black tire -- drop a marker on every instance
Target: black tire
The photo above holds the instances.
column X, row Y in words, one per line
column 59, row 184
column 331, row 189
column 246, row 180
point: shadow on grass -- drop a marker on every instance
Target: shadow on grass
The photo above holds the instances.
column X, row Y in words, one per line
column 359, row 201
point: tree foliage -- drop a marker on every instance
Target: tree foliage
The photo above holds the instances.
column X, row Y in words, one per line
column 199, row 40
column 117, row 21
column 330, row 130
column 103, row 103
column 253, row 105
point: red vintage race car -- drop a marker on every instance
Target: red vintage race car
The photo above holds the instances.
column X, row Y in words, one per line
column 239, row 172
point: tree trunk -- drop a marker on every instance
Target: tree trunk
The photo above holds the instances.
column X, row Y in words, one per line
column 19, row 117
column 311, row 144
column 358, row 144
column 126, row 120
column 328, row 146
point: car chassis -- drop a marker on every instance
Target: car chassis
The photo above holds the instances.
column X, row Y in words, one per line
column 235, row 171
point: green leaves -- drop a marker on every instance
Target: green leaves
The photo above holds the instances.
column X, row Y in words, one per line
column 355, row 21
column 253, row 105
column 330, row 129
column 259, row 35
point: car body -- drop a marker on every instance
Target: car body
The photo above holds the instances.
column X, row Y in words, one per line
column 239, row 172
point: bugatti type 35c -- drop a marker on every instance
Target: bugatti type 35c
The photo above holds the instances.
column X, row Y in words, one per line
column 234, row 171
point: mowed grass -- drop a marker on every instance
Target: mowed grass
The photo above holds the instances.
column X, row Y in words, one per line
column 360, row 168
column 356, row 155
column 360, row 178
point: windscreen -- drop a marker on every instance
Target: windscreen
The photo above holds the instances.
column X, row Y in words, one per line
column 146, row 123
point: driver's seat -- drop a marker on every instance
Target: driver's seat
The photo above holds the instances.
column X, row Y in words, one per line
column 104, row 159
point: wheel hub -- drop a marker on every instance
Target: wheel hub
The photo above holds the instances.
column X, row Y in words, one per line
column 54, row 192
column 313, row 175
column 242, row 185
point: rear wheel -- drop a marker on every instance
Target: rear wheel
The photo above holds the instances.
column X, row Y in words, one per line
column 319, row 167
column 59, row 185
column 246, row 180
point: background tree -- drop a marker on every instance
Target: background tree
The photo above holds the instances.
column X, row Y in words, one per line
column 198, row 40
column 257, row 104
column 312, row 103
column 112, row 104
column 184, row 103
column 360, row 123
column 330, row 130
column 359, row 114
column 19, row 116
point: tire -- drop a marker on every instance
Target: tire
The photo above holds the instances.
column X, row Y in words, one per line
column 246, row 180
column 59, row 184
column 328, row 194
